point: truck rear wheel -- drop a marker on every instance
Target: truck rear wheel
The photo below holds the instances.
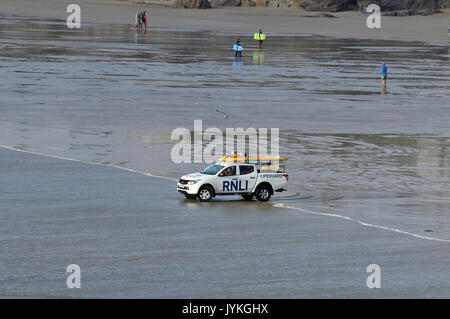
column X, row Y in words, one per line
column 205, row 194
column 263, row 193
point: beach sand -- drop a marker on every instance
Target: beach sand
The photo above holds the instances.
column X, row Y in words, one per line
column 432, row 29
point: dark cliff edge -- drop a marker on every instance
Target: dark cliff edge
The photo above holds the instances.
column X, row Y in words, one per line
column 388, row 7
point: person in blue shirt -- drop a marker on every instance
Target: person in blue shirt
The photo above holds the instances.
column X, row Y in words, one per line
column 383, row 78
column 384, row 72
column 237, row 47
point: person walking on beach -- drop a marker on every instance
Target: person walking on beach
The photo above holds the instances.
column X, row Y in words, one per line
column 383, row 78
column 384, row 73
column 237, row 47
column 260, row 38
column 144, row 19
column 137, row 19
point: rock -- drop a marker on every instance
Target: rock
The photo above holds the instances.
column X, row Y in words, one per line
column 402, row 7
column 399, row 5
column 248, row 3
column 261, row 3
column 326, row 5
column 278, row 4
column 388, row 7
column 226, row 3
column 273, row 4
column 321, row 15
column 402, row 13
column 285, row 4
column 192, row 4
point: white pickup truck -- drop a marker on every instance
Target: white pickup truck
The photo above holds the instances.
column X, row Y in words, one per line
column 234, row 178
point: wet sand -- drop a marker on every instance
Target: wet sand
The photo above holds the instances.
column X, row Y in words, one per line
column 431, row 29
column 143, row 243
column 110, row 96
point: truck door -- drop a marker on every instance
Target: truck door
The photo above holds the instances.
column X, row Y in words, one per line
column 247, row 177
column 227, row 180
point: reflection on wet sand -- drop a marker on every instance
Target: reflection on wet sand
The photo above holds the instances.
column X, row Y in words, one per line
column 383, row 88
column 140, row 36
column 258, row 57
column 237, row 61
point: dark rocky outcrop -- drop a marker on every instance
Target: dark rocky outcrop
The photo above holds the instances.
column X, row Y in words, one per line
column 192, row 4
column 248, row 3
column 226, row 3
column 397, row 5
column 268, row 3
column 326, row 5
column 387, row 6
column 321, row 15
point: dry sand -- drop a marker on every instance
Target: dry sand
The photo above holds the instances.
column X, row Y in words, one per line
column 431, row 29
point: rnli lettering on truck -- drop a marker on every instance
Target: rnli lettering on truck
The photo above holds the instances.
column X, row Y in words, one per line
column 234, row 186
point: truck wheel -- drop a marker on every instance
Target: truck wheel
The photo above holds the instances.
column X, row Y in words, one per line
column 205, row 194
column 263, row 193
column 188, row 196
column 247, row 197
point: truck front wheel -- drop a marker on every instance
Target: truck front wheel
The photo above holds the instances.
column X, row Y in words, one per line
column 205, row 194
column 263, row 193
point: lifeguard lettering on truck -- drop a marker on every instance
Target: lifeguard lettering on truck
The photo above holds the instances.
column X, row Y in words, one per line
column 235, row 175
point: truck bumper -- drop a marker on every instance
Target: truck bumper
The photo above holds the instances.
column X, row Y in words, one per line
column 187, row 189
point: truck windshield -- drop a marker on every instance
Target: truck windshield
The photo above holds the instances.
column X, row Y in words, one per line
column 212, row 169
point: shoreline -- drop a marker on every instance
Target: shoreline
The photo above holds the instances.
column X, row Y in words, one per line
column 284, row 21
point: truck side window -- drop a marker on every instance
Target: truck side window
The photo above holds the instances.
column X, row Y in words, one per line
column 229, row 171
column 246, row 169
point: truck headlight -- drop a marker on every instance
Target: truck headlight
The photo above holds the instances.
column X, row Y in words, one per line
column 192, row 182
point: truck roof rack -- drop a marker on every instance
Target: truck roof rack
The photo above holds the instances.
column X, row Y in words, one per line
column 266, row 163
column 238, row 158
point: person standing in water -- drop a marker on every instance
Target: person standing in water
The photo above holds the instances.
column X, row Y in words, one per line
column 260, row 38
column 383, row 78
column 238, row 48
column 137, row 19
column 144, row 19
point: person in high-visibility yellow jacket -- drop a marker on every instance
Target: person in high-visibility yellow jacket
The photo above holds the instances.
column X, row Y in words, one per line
column 260, row 37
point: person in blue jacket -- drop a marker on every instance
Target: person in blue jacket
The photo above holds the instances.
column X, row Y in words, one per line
column 383, row 78
column 237, row 47
column 384, row 73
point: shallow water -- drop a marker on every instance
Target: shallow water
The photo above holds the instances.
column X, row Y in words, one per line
column 106, row 94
